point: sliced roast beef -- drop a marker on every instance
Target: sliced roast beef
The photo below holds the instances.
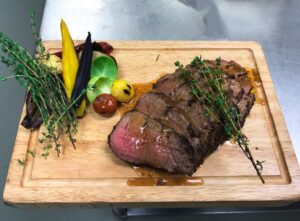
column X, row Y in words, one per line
column 170, row 129
column 166, row 112
column 141, row 140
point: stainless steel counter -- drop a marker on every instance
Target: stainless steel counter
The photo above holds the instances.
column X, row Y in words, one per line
column 275, row 24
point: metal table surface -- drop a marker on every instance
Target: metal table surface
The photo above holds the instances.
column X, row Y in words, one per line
column 274, row 24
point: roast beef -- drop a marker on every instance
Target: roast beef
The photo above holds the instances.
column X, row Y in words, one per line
column 169, row 129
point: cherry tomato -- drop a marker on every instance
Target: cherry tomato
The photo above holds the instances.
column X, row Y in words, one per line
column 105, row 104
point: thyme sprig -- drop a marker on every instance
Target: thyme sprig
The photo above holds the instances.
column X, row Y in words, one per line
column 45, row 86
column 216, row 104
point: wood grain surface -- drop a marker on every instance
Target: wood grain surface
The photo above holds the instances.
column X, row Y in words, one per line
column 91, row 174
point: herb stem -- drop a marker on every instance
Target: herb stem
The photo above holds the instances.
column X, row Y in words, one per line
column 45, row 87
column 216, row 104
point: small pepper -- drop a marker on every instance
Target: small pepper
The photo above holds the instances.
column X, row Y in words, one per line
column 69, row 59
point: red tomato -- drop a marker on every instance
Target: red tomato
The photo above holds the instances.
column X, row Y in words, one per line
column 105, row 104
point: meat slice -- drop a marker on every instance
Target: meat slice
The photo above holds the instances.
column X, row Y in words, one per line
column 141, row 140
column 171, row 115
column 231, row 68
column 170, row 129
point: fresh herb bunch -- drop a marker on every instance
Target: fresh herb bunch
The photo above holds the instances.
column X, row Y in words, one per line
column 45, row 86
column 216, row 104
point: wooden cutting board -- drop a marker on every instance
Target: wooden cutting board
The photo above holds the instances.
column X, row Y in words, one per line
column 91, row 174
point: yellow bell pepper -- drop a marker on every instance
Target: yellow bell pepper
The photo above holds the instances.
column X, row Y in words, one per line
column 69, row 59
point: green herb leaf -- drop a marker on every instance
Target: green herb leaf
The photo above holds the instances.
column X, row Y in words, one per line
column 31, row 153
column 21, row 162
column 45, row 155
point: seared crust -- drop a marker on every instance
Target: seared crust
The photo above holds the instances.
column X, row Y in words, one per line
column 173, row 114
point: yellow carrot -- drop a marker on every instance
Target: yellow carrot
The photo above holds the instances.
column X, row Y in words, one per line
column 80, row 111
column 69, row 59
